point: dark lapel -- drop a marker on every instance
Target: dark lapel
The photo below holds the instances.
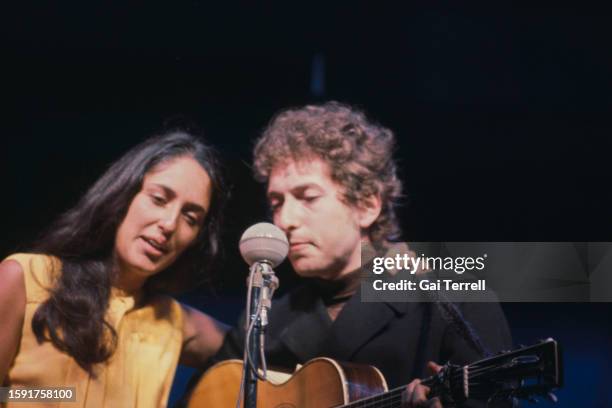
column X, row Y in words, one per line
column 305, row 335
column 358, row 323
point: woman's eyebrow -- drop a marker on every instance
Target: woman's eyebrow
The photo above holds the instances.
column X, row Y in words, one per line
column 195, row 207
column 167, row 190
column 189, row 206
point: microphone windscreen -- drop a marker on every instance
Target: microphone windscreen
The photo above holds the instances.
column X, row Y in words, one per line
column 264, row 242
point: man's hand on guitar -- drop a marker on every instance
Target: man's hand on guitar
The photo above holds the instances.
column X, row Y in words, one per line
column 416, row 393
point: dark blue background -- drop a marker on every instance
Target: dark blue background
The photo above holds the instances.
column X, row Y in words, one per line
column 501, row 113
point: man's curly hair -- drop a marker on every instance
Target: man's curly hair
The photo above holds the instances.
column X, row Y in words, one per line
column 359, row 154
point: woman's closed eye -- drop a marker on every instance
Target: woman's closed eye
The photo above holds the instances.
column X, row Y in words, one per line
column 191, row 219
column 158, row 199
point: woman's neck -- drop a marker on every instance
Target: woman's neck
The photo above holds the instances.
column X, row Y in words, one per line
column 125, row 280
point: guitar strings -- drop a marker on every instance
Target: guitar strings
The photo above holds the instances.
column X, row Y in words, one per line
column 387, row 402
column 475, row 372
column 387, row 399
column 391, row 398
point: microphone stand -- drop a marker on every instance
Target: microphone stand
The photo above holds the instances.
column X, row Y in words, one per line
column 262, row 283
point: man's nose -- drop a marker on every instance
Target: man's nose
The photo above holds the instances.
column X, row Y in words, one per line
column 288, row 216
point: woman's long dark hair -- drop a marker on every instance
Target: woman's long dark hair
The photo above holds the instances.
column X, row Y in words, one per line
column 83, row 238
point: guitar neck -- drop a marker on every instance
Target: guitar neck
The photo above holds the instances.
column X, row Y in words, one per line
column 522, row 373
column 390, row 399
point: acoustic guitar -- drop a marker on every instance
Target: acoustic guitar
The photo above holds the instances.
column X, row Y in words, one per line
column 525, row 373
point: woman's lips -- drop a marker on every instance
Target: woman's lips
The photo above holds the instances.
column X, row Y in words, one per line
column 153, row 248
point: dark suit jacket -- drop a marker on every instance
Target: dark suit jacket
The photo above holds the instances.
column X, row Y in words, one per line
column 398, row 338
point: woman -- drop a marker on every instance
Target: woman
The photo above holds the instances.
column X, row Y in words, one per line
column 87, row 309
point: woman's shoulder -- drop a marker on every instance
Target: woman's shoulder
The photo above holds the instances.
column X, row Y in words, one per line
column 167, row 308
column 11, row 276
column 40, row 272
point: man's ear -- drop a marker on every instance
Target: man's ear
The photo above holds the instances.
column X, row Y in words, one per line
column 368, row 210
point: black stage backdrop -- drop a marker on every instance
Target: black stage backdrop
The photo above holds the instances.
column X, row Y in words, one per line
column 501, row 112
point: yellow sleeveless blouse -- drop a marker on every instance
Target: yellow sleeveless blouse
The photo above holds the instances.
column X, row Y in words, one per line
column 139, row 373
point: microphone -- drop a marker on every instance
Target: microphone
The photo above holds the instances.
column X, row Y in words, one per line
column 264, row 242
column 263, row 246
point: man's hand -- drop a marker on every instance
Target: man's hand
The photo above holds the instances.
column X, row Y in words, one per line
column 416, row 393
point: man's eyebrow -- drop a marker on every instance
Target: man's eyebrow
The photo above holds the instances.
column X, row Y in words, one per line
column 295, row 189
column 189, row 206
column 303, row 187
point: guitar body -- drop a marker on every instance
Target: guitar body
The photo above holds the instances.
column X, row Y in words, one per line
column 324, row 383
column 319, row 383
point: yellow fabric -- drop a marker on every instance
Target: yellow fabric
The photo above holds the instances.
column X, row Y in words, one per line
column 139, row 373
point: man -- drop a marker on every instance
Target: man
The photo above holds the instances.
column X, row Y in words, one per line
column 332, row 185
